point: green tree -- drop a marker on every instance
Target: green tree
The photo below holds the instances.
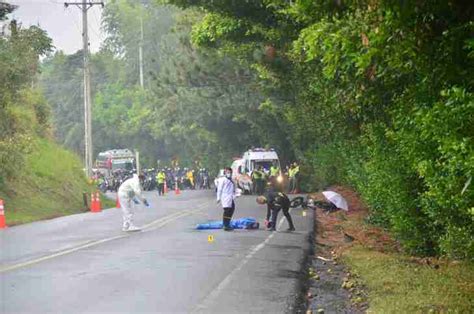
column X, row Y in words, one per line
column 23, row 111
column 379, row 95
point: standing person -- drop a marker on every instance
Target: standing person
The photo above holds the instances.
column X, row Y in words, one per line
column 257, row 176
column 276, row 201
column 160, row 180
column 129, row 191
column 206, row 183
column 293, row 173
column 296, row 176
column 274, row 171
column 263, row 178
column 190, row 177
column 170, row 178
column 226, row 194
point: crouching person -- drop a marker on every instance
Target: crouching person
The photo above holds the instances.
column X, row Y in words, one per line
column 130, row 191
column 276, row 201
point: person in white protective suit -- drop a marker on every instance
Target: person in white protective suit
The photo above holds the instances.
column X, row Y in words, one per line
column 129, row 192
column 226, row 194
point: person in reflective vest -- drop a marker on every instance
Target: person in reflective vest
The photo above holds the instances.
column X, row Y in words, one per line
column 274, row 170
column 160, row 180
column 258, row 178
column 274, row 173
column 294, row 176
column 190, row 177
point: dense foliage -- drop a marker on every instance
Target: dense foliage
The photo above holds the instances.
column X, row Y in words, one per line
column 193, row 102
column 38, row 179
column 381, row 98
column 24, row 112
column 376, row 94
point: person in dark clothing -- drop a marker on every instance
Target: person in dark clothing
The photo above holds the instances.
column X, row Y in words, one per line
column 276, row 201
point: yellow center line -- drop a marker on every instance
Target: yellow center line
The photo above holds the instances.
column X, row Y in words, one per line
column 68, row 251
column 158, row 222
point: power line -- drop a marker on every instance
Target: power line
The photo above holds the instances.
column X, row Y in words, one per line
column 84, row 6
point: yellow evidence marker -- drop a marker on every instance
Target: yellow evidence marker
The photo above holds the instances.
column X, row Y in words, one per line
column 210, row 238
column 304, row 213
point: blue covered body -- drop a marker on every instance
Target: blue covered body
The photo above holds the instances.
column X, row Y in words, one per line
column 242, row 223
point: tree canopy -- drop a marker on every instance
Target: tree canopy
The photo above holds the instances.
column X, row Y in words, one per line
column 377, row 94
column 381, row 98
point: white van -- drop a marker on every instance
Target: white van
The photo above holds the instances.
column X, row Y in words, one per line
column 257, row 157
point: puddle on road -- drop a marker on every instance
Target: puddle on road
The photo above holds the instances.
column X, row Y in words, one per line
column 290, row 274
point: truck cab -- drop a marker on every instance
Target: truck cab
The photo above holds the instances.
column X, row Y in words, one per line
column 115, row 160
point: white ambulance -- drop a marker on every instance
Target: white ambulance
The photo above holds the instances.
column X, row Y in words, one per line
column 260, row 157
column 251, row 160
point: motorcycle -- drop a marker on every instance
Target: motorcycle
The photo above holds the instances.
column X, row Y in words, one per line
column 104, row 186
column 309, row 203
column 149, row 181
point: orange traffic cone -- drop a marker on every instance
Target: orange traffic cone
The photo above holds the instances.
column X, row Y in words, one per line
column 92, row 206
column 117, row 202
column 3, row 223
column 97, row 201
column 176, row 189
column 166, row 188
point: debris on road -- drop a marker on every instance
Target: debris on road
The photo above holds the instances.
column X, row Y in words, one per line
column 324, row 259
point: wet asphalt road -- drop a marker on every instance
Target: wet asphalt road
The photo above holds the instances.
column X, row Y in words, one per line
column 85, row 264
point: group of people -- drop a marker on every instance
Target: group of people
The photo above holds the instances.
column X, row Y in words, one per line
column 130, row 192
column 275, row 201
column 183, row 178
column 262, row 176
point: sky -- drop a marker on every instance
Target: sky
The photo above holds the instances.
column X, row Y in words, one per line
column 64, row 25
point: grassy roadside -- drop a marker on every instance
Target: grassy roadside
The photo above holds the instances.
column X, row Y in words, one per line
column 397, row 283
column 50, row 185
column 391, row 281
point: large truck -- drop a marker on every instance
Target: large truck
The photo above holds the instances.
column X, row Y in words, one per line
column 115, row 160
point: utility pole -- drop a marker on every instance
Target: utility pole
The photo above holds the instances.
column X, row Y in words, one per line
column 84, row 6
column 140, row 50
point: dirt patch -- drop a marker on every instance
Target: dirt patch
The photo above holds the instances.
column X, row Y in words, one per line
column 342, row 229
column 332, row 288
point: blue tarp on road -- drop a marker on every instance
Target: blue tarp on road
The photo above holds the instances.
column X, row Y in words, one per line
column 242, row 223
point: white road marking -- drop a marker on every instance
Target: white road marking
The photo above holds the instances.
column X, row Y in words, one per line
column 65, row 252
column 158, row 222
column 223, row 284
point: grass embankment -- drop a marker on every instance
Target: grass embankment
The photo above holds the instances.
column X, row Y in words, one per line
column 401, row 284
column 392, row 281
column 49, row 185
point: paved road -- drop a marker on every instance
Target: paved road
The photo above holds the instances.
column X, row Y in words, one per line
column 85, row 264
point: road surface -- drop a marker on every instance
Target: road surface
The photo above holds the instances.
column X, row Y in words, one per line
column 85, row 264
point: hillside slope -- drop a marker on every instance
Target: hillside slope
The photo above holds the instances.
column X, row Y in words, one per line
column 49, row 185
